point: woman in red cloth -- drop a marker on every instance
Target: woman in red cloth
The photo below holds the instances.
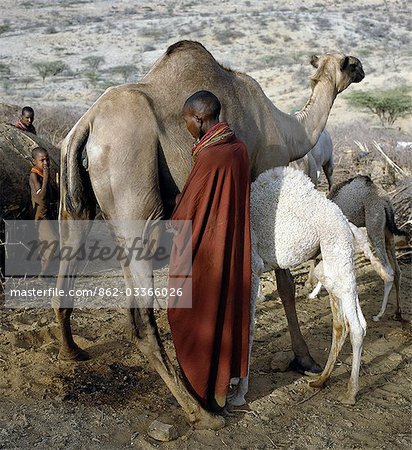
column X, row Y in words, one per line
column 211, row 337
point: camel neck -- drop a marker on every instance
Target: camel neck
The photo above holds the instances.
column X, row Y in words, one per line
column 314, row 115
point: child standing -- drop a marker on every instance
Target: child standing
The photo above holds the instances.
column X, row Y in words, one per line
column 43, row 196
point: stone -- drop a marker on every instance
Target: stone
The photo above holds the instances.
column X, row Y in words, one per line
column 162, row 431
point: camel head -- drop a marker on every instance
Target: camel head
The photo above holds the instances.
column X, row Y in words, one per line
column 338, row 69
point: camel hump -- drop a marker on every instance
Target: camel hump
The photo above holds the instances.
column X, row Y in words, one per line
column 185, row 45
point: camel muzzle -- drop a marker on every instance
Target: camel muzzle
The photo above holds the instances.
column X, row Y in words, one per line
column 359, row 76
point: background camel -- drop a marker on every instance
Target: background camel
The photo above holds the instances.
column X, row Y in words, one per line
column 320, row 157
column 366, row 206
column 134, row 134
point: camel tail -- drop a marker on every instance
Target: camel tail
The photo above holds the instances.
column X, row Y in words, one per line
column 390, row 221
column 77, row 198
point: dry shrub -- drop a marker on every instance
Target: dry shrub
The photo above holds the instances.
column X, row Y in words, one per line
column 55, row 122
column 401, row 199
column 227, row 36
column 353, row 158
column 9, row 113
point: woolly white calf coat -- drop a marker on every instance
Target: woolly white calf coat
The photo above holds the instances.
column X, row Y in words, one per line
column 290, row 222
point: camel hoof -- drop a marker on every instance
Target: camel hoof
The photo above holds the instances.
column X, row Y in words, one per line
column 348, row 400
column 398, row 317
column 305, row 365
column 209, row 421
column 76, row 354
column 317, row 384
column 376, row 318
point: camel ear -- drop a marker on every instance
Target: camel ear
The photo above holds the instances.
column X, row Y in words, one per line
column 344, row 63
column 314, row 61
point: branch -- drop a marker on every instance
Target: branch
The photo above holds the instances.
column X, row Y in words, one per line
column 389, row 161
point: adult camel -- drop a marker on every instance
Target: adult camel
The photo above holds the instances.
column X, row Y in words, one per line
column 138, row 156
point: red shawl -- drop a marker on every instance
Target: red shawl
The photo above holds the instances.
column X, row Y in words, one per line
column 19, row 124
column 211, row 338
column 218, row 133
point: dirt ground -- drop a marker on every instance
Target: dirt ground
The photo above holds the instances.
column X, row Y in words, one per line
column 110, row 400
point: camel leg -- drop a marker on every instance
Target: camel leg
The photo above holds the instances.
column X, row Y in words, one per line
column 312, row 171
column 318, row 286
column 328, row 171
column 339, row 333
column 386, row 291
column 315, row 291
column 138, row 273
column 380, row 263
column 72, row 235
column 390, row 250
column 311, row 280
column 344, row 308
column 357, row 333
column 69, row 350
column 303, row 361
column 357, row 328
column 149, row 343
column 383, row 267
column 376, row 227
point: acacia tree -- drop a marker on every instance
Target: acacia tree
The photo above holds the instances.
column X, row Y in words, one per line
column 388, row 104
column 125, row 71
column 49, row 68
column 93, row 62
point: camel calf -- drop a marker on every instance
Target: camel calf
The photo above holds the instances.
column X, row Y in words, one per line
column 365, row 206
column 285, row 234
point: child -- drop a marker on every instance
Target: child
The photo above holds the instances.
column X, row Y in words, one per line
column 26, row 120
column 44, row 196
